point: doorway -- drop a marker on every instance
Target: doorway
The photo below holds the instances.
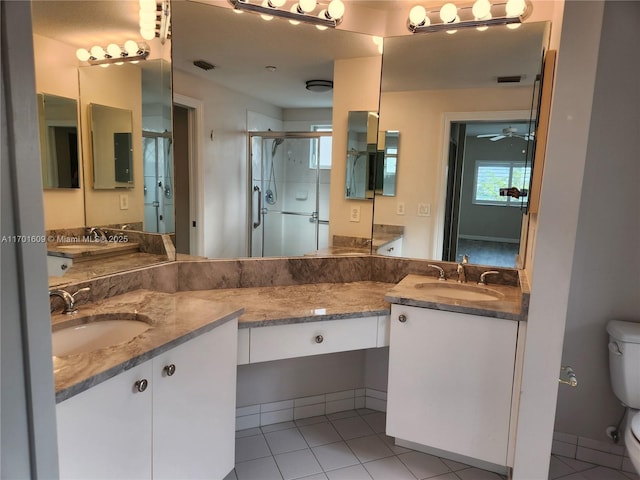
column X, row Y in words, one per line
column 489, row 170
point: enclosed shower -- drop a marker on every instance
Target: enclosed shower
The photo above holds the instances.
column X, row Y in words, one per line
column 158, row 182
column 290, row 176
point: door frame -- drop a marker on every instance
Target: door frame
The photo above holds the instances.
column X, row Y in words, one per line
column 461, row 117
column 196, row 169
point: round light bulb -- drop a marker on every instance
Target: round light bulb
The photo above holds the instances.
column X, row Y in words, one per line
column 104, row 65
column 322, row 14
column 147, row 16
column 417, row 15
column 276, row 3
column 307, row 6
column 336, row 9
column 481, row 8
column 114, row 50
column 513, row 26
column 482, row 29
column 148, row 33
column 455, row 20
column 83, row 54
column 148, row 5
column 515, row 8
column 131, row 47
column 268, row 18
column 97, row 51
column 294, row 9
column 448, row 12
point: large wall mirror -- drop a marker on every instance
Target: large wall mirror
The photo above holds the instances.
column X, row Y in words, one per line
column 59, row 141
column 124, row 159
column 464, row 105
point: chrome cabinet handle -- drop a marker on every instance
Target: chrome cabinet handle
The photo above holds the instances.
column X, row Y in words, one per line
column 402, row 318
column 170, row 370
column 141, row 385
column 319, row 339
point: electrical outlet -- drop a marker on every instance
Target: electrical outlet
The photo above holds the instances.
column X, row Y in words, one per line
column 124, row 201
column 354, row 214
column 424, row 210
column 400, row 208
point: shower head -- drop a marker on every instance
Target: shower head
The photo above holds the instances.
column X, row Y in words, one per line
column 276, row 141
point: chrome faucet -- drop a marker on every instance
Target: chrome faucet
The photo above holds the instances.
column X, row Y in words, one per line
column 68, row 299
column 441, row 275
column 462, row 277
column 483, row 276
column 97, row 234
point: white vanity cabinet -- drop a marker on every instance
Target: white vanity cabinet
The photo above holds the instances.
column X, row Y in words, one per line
column 451, row 379
column 181, row 426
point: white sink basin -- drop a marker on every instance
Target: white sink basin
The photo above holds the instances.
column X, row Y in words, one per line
column 97, row 331
column 460, row 292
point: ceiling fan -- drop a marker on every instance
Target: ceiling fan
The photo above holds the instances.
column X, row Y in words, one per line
column 508, row 132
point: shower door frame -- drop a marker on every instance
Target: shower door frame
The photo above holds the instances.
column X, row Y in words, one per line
column 250, row 187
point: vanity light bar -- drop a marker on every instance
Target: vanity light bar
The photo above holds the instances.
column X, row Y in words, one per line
column 420, row 19
column 132, row 51
column 293, row 14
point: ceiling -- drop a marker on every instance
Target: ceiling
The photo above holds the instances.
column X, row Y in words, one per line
column 242, row 45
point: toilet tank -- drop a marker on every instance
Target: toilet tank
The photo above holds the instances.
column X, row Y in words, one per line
column 624, row 361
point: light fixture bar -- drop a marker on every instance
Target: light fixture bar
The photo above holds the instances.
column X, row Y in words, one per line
column 325, row 21
column 467, row 19
column 140, row 52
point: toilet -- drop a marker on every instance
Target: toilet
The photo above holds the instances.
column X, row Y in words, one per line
column 624, row 368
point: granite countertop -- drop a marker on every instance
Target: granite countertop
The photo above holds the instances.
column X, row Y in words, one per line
column 512, row 303
column 283, row 305
column 174, row 319
column 178, row 317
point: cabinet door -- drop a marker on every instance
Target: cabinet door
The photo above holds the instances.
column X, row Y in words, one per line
column 450, row 381
column 105, row 432
column 194, row 408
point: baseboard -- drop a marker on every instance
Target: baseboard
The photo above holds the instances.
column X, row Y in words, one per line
column 606, row 454
column 258, row 415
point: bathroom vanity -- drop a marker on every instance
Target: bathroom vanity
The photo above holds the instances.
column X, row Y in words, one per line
column 163, row 404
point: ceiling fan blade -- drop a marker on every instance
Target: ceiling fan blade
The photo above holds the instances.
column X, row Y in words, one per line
column 497, row 137
column 487, row 135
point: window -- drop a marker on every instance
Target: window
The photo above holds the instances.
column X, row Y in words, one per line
column 325, row 148
column 492, row 175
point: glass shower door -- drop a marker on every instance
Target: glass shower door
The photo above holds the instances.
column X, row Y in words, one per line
column 286, row 212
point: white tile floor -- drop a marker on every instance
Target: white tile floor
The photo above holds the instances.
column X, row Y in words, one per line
column 348, row 445
column 352, row 445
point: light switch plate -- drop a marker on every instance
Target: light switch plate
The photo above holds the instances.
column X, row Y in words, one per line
column 424, row 210
column 354, row 213
column 124, row 201
column 400, row 208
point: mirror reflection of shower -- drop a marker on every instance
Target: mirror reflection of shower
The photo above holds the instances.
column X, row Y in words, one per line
column 289, row 193
column 271, row 193
column 158, row 181
column 352, row 186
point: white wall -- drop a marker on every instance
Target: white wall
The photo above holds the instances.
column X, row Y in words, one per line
column 420, row 152
column 356, row 88
column 225, row 162
column 555, row 235
column 57, row 74
column 605, row 278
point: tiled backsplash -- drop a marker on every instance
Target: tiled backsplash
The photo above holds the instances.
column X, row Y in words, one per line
column 294, row 409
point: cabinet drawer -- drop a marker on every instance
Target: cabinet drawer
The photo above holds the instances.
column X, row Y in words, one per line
column 315, row 338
